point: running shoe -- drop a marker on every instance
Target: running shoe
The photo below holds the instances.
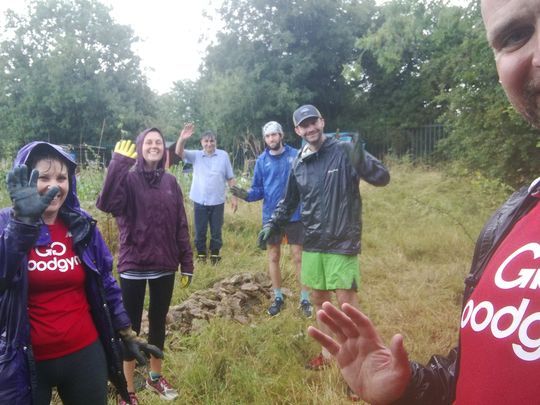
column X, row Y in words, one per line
column 162, row 387
column 133, row 399
column 318, row 363
column 201, row 257
column 276, row 306
column 306, row 308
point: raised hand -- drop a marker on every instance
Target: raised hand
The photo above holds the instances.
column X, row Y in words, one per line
column 377, row 373
column 357, row 154
column 126, row 148
column 28, row 204
column 187, row 131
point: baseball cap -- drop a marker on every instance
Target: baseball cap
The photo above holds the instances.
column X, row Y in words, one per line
column 272, row 127
column 304, row 112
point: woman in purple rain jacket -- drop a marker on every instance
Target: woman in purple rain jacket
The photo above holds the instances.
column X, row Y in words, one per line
column 148, row 205
column 22, row 237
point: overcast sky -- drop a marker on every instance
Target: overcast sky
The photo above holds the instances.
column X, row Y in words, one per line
column 169, row 30
column 170, row 33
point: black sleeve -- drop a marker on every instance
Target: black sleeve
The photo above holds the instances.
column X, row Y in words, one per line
column 432, row 384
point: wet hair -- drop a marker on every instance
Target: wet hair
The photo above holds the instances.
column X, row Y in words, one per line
column 208, row 134
column 45, row 152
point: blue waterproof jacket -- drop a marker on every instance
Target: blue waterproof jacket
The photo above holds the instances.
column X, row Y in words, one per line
column 17, row 376
column 270, row 179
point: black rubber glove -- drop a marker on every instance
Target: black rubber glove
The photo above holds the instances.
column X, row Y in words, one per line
column 239, row 192
column 134, row 346
column 27, row 203
column 267, row 231
column 357, row 153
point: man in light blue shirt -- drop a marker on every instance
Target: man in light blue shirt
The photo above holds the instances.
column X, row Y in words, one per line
column 212, row 170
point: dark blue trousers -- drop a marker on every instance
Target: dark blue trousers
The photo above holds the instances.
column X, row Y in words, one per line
column 206, row 215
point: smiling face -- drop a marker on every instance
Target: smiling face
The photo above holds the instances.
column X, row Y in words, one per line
column 152, row 149
column 512, row 28
column 311, row 130
column 208, row 144
column 52, row 173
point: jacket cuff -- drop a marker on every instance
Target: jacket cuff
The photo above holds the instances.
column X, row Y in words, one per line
column 407, row 398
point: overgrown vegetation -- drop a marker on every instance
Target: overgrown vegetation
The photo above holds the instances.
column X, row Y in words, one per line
column 418, row 239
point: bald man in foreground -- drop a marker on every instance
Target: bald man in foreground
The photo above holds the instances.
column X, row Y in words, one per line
column 498, row 357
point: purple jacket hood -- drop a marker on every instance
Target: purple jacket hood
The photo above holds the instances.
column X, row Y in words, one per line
column 72, row 201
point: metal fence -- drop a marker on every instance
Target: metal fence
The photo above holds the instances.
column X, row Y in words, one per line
column 417, row 143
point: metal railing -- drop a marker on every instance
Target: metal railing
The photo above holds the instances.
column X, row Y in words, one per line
column 418, row 143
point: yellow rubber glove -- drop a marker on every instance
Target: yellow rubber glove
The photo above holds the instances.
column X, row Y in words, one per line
column 185, row 281
column 126, row 147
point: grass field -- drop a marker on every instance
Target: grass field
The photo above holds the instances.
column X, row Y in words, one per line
column 418, row 239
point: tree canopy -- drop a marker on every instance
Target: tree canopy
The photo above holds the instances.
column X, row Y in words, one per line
column 70, row 76
column 274, row 55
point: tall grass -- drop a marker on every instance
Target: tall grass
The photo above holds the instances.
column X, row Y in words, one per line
column 417, row 244
column 418, row 239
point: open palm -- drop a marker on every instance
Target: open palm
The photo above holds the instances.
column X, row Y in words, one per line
column 187, row 131
column 377, row 373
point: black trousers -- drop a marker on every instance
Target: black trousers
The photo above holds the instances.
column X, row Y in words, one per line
column 80, row 378
column 161, row 289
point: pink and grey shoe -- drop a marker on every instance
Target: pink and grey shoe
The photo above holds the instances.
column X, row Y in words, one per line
column 133, row 398
column 162, row 387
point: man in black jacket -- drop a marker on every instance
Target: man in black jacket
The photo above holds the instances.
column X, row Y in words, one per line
column 325, row 179
column 498, row 357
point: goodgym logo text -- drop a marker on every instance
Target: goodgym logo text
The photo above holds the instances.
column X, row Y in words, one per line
column 53, row 259
column 507, row 320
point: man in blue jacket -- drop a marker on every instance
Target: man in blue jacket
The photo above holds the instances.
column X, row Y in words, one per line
column 325, row 179
column 269, row 180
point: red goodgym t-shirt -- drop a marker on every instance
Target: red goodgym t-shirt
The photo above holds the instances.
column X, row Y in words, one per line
column 500, row 324
column 60, row 319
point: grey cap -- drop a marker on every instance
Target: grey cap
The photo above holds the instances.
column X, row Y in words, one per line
column 272, row 127
column 305, row 112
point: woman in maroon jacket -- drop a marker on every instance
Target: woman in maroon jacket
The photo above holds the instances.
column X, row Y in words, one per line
column 148, row 206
